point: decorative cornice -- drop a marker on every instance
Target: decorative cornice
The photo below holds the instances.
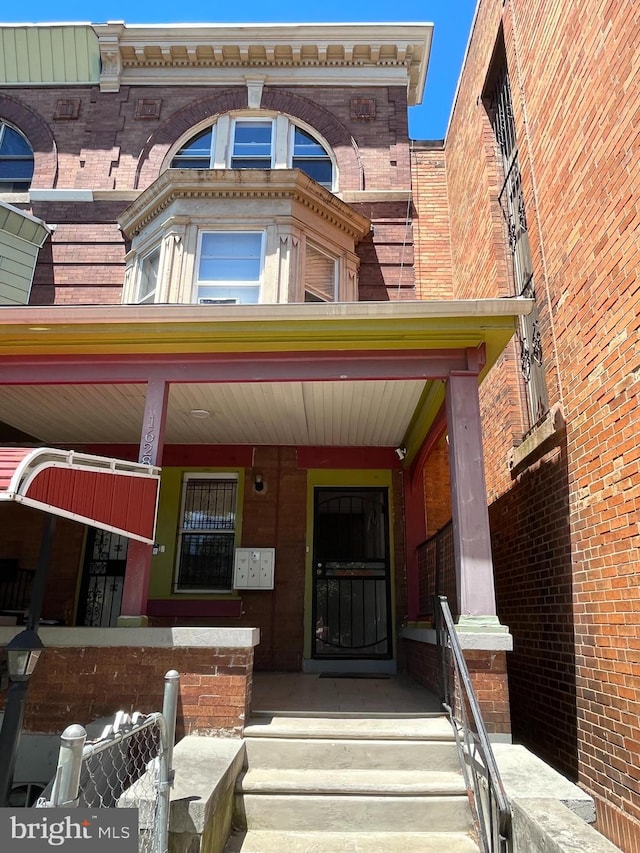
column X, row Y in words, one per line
column 161, row 54
column 264, row 184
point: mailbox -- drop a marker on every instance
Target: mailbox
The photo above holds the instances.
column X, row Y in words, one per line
column 253, row 568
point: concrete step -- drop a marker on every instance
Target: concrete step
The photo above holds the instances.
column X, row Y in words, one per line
column 350, row 842
column 333, row 813
column 381, row 783
column 436, row 728
column 302, row 753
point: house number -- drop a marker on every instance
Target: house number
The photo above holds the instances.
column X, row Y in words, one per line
column 148, row 443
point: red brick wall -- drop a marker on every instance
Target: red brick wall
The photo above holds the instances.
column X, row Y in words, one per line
column 488, row 672
column 437, row 489
column 432, row 222
column 78, row 685
column 565, row 528
column 532, row 561
column 110, row 147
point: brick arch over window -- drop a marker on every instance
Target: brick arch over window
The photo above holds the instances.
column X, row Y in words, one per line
column 277, row 100
column 320, row 119
column 154, row 152
column 39, row 137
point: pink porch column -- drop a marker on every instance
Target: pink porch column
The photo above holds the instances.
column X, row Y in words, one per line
column 136, row 581
column 472, row 542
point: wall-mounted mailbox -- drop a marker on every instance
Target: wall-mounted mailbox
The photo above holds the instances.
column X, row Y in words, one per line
column 253, row 568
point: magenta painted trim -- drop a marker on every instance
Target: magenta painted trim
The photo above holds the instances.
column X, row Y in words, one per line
column 179, row 607
column 184, row 455
column 348, row 457
column 236, row 367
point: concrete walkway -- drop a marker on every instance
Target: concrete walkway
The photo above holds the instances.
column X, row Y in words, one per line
column 290, row 692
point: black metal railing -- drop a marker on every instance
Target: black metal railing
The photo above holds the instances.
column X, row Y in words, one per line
column 489, row 802
column 437, row 570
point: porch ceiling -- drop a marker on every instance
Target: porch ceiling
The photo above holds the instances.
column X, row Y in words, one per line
column 375, row 413
column 339, row 374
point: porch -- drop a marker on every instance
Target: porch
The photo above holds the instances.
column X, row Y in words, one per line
column 357, row 695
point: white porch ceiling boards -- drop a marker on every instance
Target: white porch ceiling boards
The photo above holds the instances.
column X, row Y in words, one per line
column 312, row 413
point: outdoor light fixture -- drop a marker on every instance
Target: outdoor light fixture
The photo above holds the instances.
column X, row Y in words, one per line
column 401, row 452
column 200, row 413
column 23, row 652
column 258, row 483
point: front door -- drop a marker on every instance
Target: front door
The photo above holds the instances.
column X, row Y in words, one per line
column 351, row 592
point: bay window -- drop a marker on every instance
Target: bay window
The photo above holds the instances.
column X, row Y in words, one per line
column 148, row 283
column 229, row 267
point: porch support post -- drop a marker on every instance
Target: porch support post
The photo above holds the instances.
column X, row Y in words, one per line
column 139, row 554
column 415, row 532
column 472, row 542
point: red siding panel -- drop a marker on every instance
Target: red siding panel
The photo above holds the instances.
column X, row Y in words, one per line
column 123, row 501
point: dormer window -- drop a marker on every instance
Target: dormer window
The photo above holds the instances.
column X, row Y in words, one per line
column 257, row 142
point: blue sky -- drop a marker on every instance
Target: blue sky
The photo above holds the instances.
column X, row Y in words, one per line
column 452, row 20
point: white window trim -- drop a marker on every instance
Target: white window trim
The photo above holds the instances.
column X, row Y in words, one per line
column 203, row 475
column 197, row 282
column 281, row 140
column 252, row 120
column 138, row 282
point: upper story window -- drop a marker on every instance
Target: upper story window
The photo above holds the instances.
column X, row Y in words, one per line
column 252, row 142
column 148, row 283
column 252, row 145
column 229, row 267
column 210, row 239
column 16, row 160
column 511, row 198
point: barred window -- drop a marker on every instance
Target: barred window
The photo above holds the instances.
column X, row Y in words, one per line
column 511, row 198
column 206, row 533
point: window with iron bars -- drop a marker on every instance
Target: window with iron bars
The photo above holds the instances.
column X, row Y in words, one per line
column 500, row 108
column 206, row 533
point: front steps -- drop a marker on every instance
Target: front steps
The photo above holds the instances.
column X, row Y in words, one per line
column 338, row 784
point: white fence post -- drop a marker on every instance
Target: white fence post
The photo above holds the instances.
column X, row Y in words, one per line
column 169, row 711
column 67, row 778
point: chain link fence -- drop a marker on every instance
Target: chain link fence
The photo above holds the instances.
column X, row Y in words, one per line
column 128, row 766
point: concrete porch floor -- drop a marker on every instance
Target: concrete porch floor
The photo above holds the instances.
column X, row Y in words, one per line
column 290, row 692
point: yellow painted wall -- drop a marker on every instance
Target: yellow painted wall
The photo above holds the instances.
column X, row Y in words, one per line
column 164, row 564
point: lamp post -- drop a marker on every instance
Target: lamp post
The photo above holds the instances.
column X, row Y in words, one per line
column 23, row 652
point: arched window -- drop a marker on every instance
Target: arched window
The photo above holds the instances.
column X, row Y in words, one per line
column 16, row 160
column 257, row 141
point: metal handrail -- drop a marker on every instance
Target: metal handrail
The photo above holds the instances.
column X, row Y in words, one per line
column 492, row 813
